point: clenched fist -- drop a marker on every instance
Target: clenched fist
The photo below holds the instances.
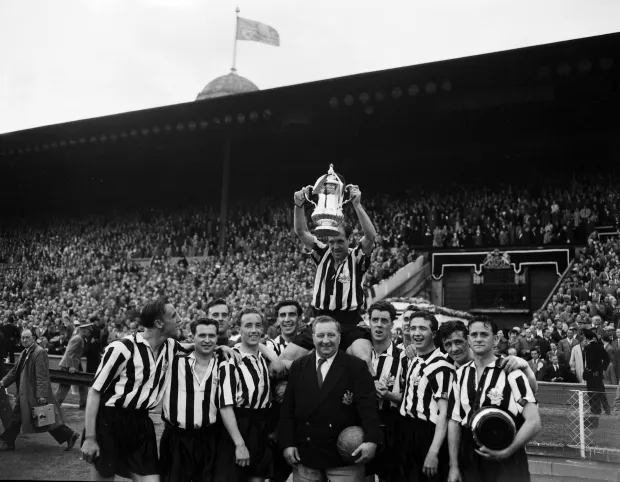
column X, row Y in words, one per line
column 300, row 197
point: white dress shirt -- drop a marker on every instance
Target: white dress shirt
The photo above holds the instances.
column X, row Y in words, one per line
column 326, row 365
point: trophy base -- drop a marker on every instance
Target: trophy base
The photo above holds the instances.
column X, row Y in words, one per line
column 324, row 231
column 328, row 222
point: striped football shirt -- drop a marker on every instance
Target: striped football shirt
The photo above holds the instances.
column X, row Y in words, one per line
column 386, row 366
column 509, row 392
column 245, row 384
column 190, row 402
column 130, row 376
column 338, row 287
column 278, row 344
column 427, row 381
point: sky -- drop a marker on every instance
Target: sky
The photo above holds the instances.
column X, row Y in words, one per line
column 64, row 60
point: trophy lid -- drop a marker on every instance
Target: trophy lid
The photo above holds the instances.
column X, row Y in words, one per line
column 331, row 177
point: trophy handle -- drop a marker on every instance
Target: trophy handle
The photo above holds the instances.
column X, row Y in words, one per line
column 308, row 189
column 346, row 188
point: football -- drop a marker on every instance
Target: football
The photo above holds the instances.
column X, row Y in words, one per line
column 349, row 440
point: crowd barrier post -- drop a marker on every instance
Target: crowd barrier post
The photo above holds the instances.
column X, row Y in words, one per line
column 582, row 435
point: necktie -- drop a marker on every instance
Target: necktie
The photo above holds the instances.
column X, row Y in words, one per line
column 555, row 367
column 319, row 374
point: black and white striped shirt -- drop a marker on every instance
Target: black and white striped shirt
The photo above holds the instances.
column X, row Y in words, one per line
column 338, row 287
column 246, row 384
column 427, row 381
column 278, row 344
column 129, row 374
column 508, row 392
column 401, row 375
column 191, row 403
column 386, row 367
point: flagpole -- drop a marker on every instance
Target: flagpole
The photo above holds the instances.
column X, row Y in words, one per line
column 233, row 70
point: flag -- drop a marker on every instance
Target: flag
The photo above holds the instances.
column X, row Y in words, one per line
column 259, row 32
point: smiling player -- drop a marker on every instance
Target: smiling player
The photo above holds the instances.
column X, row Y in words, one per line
column 188, row 444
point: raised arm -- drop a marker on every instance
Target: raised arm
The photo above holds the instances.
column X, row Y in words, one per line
column 370, row 233
column 299, row 220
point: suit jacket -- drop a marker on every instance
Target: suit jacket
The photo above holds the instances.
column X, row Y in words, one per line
column 565, row 346
column 562, row 360
column 311, row 419
column 33, row 382
column 549, row 373
column 73, row 353
column 538, row 372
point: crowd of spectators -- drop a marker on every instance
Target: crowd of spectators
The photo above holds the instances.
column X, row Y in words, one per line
column 55, row 272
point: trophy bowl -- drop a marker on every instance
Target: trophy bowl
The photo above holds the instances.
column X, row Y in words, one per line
column 493, row 428
column 327, row 215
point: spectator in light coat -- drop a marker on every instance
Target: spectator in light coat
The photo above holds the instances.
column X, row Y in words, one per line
column 576, row 361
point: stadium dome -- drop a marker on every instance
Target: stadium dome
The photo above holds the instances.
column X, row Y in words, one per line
column 230, row 84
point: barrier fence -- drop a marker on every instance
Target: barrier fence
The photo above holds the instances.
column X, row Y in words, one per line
column 581, row 425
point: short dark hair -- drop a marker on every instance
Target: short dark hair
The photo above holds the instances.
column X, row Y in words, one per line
column 383, row 306
column 486, row 321
column 205, row 322
column 535, row 348
column 284, row 303
column 325, row 319
column 606, row 338
column 249, row 310
column 446, row 329
column 215, row 302
column 152, row 311
column 428, row 316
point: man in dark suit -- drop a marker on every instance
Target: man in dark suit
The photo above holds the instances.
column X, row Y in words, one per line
column 327, row 392
column 556, row 372
column 565, row 346
column 562, row 360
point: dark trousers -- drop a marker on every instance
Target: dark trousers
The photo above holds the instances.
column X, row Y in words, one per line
column 598, row 397
column 475, row 468
column 61, row 434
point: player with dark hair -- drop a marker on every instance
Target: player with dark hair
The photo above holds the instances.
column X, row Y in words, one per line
column 420, row 432
column 483, row 383
column 219, row 311
column 190, row 409
column 454, row 340
column 119, row 434
column 385, row 361
column 338, row 283
column 288, row 317
column 244, row 452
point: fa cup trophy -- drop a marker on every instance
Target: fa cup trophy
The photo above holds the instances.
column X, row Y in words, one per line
column 327, row 214
column 492, row 428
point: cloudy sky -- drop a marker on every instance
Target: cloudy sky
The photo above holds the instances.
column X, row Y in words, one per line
column 63, row 60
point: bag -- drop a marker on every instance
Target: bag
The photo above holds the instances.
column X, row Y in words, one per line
column 43, row 416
